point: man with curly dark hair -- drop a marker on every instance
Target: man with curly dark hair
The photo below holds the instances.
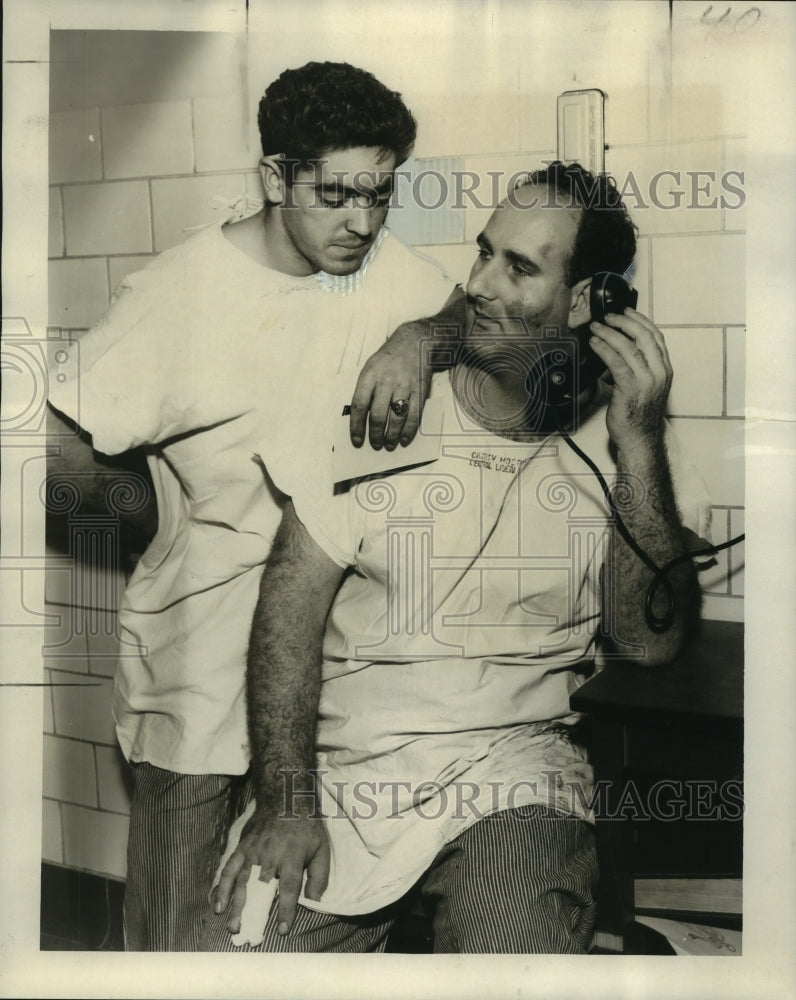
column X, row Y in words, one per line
column 199, row 352
column 324, row 106
column 417, row 638
column 332, row 136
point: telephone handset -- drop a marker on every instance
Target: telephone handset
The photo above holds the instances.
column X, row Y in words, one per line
column 554, row 383
column 555, row 379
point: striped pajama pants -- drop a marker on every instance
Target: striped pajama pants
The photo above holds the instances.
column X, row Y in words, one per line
column 519, row 881
column 178, row 831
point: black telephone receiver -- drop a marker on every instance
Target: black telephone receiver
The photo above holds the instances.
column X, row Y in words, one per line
column 555, row 379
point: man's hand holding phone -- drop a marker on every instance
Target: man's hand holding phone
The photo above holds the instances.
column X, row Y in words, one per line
column 635, row 354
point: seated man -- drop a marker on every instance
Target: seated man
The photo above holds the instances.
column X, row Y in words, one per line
column 436, row 621
column 195, row 356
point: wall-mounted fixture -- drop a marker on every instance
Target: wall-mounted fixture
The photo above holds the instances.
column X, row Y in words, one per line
column 581, row 128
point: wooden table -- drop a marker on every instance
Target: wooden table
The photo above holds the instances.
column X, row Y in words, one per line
column 666, row 740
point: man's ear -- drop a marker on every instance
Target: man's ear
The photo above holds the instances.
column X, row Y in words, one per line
column 579, row 308
column 273, row 179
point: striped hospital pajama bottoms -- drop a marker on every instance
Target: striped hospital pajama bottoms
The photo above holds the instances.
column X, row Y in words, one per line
column 519, row 881
column 178, row 831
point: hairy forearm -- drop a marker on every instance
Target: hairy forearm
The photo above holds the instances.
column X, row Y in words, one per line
column 402, row 370
column 284, row 664
column 441, row 332
column 283, row 690
column 652, row 520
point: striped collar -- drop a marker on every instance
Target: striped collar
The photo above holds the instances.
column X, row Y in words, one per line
column 345, row 284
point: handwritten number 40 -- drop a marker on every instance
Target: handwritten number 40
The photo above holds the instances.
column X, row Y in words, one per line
column 743, row 22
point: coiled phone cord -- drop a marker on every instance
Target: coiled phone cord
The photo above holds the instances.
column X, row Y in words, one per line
column 658, row 623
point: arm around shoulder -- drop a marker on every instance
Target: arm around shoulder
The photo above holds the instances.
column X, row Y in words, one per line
column 401, row 370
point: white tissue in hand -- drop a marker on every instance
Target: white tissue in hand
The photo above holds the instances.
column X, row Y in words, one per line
column 259, row 897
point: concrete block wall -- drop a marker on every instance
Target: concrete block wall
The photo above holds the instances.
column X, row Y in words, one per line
column 153, row 133
column 85, row 781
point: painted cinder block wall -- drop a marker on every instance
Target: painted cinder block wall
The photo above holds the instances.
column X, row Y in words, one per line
column 152, row 134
